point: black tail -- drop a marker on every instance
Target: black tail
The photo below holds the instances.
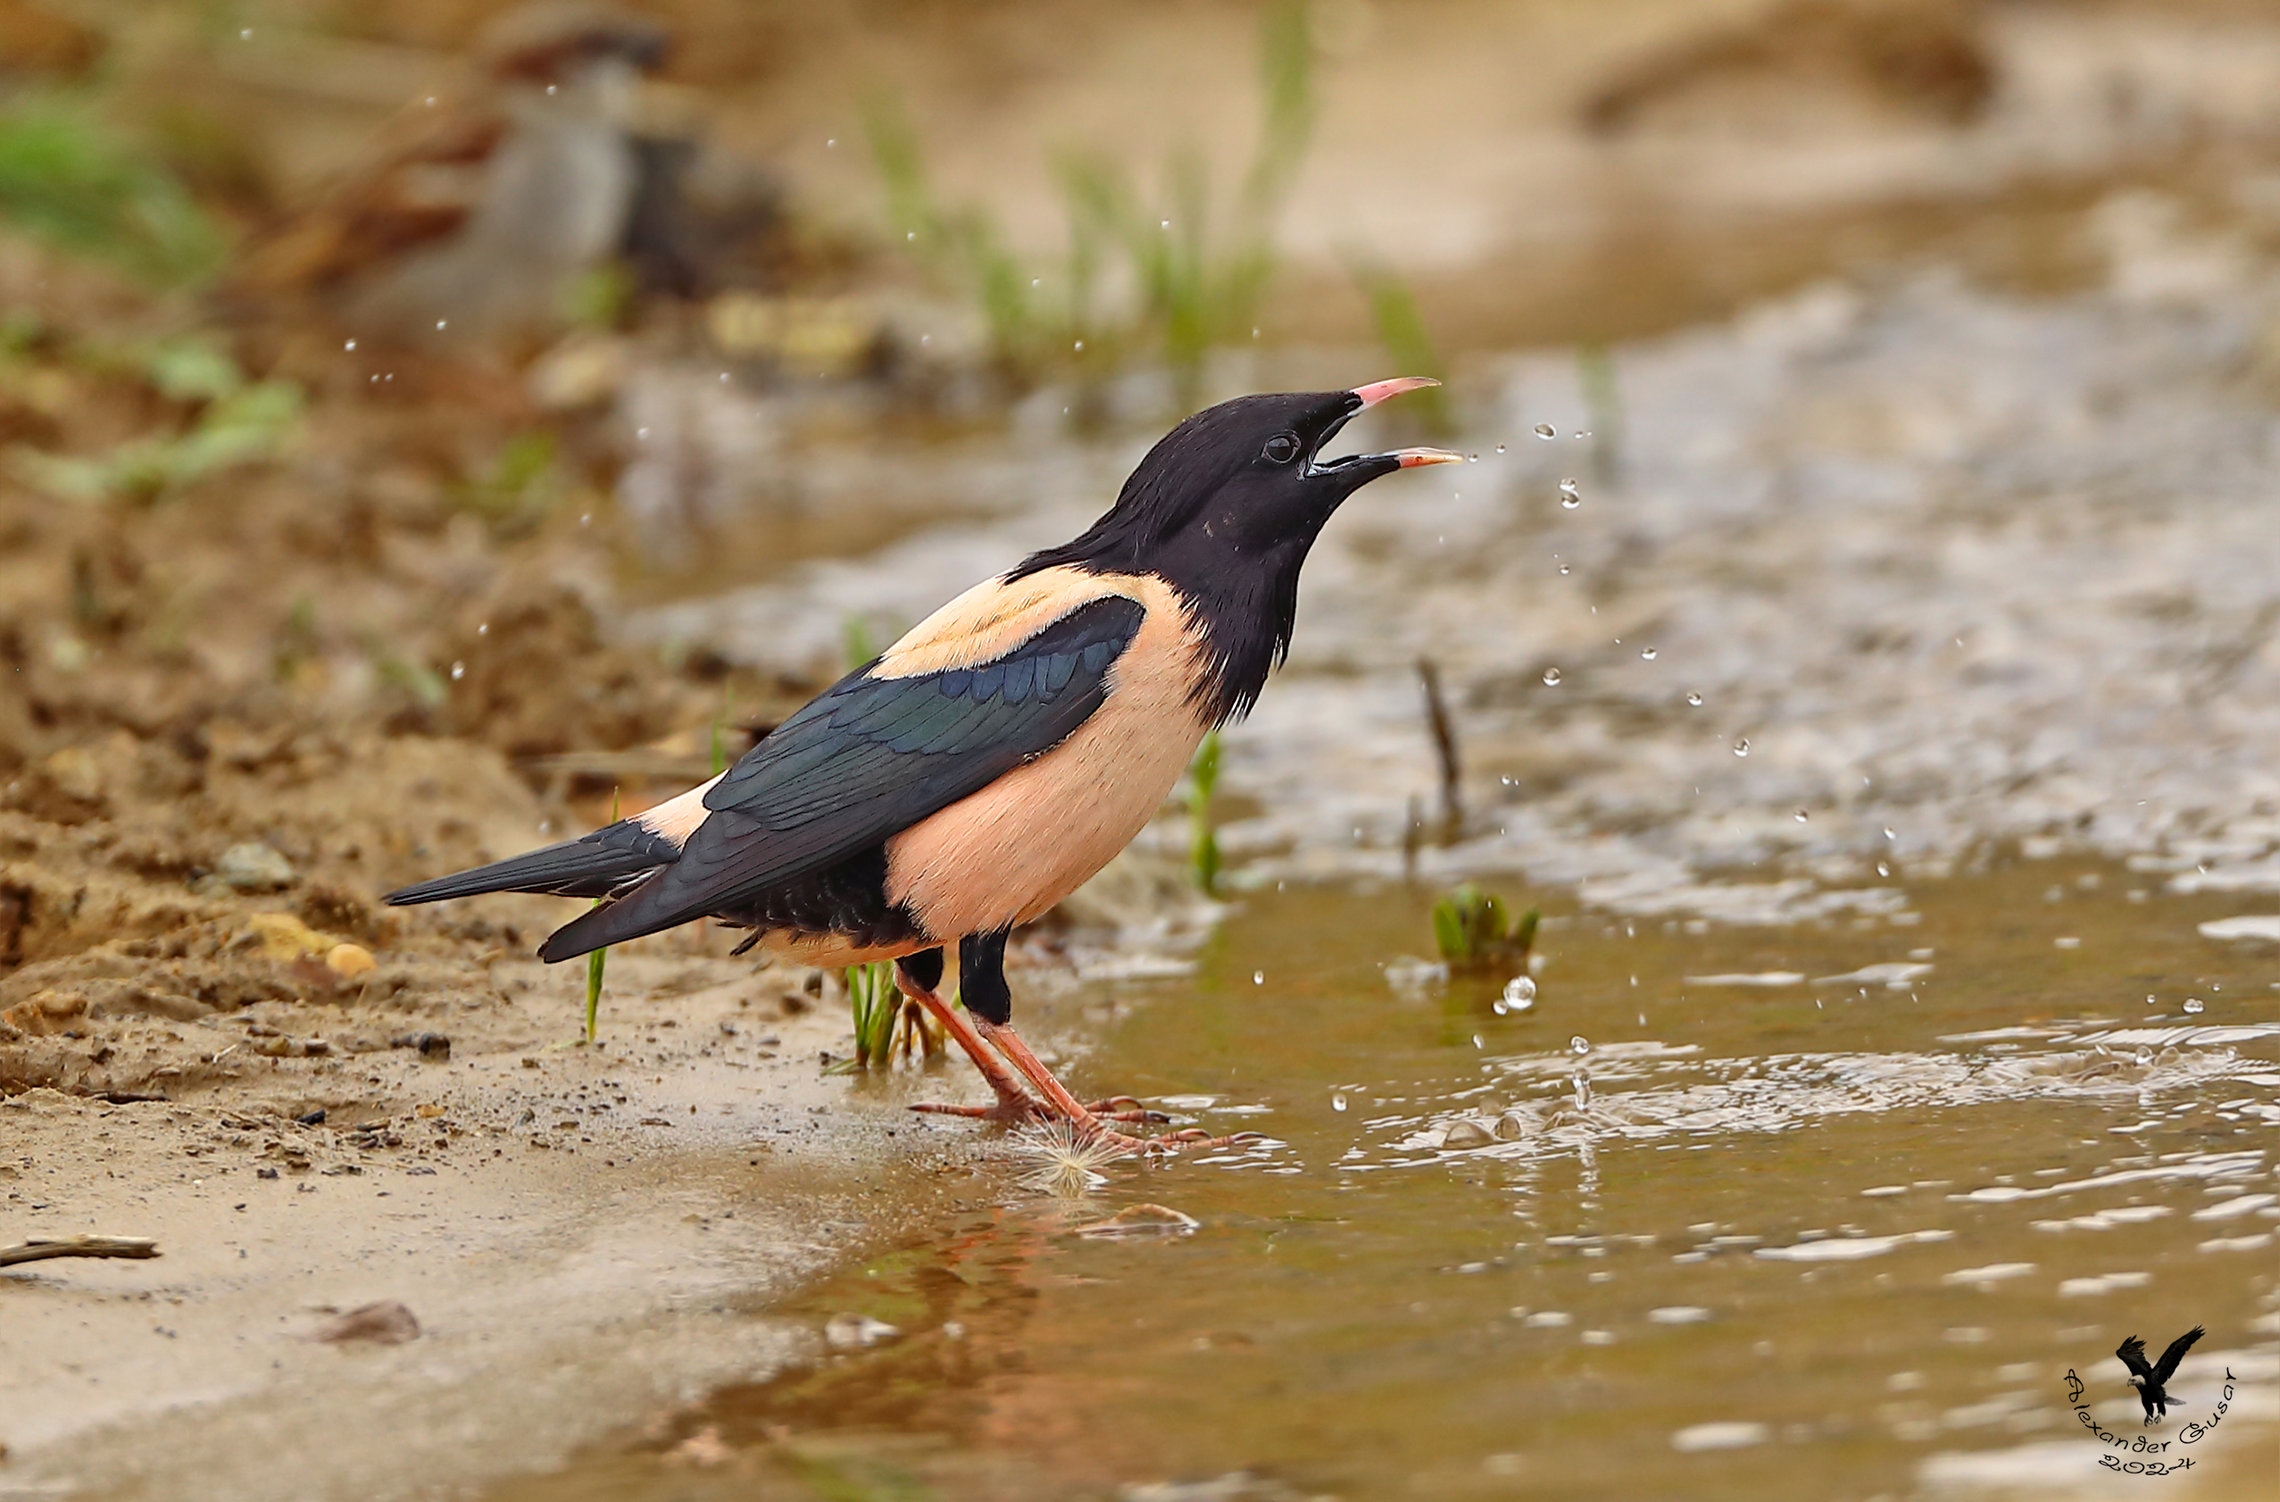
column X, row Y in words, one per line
column 592, row 866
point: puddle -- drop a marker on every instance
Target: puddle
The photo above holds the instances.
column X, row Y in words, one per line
column 1833, row 1238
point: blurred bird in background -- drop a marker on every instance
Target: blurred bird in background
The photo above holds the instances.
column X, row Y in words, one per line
column 481, row 204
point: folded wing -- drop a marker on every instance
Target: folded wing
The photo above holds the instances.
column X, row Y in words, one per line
column 867, row 759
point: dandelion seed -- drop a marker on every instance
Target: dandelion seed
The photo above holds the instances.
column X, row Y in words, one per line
column 1063, row 1163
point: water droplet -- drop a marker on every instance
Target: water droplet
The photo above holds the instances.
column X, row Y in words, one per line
column 1037, row 281
column 1694, row 701
column 830, row 141
column 2144, row 1057
column 443, row 323
column 1258, row 977
column 1563, row 569
column 910, row 234
column 1742, row 746
column 483, row 628
column 1080, row 344
column 1470, row 459
column 1163, row 224
column 1552, row 676
column 1579, row 1044
column 1582, row 1083
column 1647, row 654
column 1546, row 431
column 1519, row 993
column 2152, row 1001
column 1500, row 448
column 1476, row 1041
column 1337, row 1102
column 1569, row 498
column 1882, row 869
column 351, row 344
column 458, row 671
column 2194, row 1006
column 1800, row 816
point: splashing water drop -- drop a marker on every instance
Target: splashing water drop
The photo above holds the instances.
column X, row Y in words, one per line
column 1337, row 1102
column 1570, row 498
column 1500, row 448
column 1552, row 675
column 1801, row 816
column 1258, row 977
column 1888, row 834
column 2144, row 1057
column 1883, row 869
column 2194, row 1006
column 458, row 671
column 1519, row 993
column 1694, row 701
column 1477, row 1043
column 1579, row 1045
column 1742, row 746
column 1647, row 654
column 1582, row 1083
column 1546, row 431
column 1563, row 568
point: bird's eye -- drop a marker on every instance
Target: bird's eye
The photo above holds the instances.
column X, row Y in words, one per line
column 1282, row 448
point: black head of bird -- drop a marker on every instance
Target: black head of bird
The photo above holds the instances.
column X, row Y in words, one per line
column 1000, row 753
column 1225, row 508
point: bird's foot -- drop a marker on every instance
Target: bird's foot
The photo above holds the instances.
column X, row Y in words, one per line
column 1168, row 1144
column 1127, row 1109
column 1017, row 1110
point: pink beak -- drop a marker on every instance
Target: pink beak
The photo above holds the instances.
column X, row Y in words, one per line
column 1378, row 391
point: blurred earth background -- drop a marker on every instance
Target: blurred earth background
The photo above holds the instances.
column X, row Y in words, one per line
column 425, row 426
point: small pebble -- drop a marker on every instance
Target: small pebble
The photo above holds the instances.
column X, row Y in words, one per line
column 1466, row 1134
column 386, row 1323
column 254, row 867
column 855, row 1332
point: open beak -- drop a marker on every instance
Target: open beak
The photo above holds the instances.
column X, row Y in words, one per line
column 1378, row 391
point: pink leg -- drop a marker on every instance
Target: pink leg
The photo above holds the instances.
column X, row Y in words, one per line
column 1088, row 1122
column 1013, row 1103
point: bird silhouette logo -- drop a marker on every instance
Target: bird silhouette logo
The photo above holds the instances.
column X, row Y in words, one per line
column 2152, row 1381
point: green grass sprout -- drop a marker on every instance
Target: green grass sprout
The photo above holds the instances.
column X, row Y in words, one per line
column 68, row 179
column 1203, row 836
column 1473, row 930
column 599, row 960
column 1190, row 278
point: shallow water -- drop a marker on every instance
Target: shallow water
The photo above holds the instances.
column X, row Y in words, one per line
column 1838, row 1237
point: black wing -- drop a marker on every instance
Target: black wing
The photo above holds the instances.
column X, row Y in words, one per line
column 2132, row 1352
column 2176, row 1353
column 866, row 759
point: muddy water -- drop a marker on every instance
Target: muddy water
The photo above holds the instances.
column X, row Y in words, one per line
column 1842, row 1234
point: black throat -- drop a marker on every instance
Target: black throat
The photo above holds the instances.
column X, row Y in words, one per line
column 1244, row 605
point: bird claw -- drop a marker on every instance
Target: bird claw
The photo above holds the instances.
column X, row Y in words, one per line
column 1170, row 1144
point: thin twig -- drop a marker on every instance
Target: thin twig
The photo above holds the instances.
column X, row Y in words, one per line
column 40, row 1249
column 1445, row 748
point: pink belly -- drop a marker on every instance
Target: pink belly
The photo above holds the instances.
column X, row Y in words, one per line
column 1007, row 854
